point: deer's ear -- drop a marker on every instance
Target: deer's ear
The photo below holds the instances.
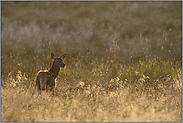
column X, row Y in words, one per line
column 52, row 56
column 63, row 56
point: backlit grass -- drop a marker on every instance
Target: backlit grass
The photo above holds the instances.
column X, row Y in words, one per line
column 124, row 61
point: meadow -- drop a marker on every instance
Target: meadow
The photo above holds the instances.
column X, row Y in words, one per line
column 124, row 61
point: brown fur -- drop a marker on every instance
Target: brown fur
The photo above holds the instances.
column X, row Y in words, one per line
column 45, row 80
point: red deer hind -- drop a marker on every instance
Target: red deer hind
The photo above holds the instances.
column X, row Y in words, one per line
column 46, row 80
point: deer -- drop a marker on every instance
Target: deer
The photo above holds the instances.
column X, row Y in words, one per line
column 45, row 80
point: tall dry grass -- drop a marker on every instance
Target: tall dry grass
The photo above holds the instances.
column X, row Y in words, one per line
column 124, row 61
column 20, row 103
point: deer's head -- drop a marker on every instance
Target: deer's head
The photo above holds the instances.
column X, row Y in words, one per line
column 58, row 62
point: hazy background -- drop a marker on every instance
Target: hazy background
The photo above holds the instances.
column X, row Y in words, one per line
column 87, row 31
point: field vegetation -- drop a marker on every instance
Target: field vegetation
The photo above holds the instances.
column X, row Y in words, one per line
column 124, row 61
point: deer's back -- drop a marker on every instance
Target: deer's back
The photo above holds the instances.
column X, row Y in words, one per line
column 45, row 76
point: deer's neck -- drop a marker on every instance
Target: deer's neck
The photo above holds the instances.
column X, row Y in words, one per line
column 54, row 71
